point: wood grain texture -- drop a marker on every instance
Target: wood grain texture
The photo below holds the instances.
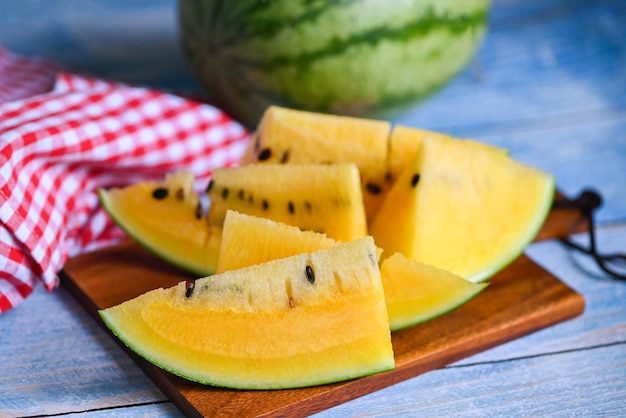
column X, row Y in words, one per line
column 547, row 386
column 55, row 359
column 548, row 84
column 521, row 299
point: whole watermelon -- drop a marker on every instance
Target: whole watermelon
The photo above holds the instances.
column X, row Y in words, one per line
column 368, row 58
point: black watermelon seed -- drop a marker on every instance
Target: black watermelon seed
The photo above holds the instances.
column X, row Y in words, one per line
column 241, row 194
column 180, row 193
column 266, row 204
column 265, row 154
column 250, row 199
column 160, row 193
column 310, row 276
column 199, row 211
column 284, row 156
column 291, row 208
column 308, row 205
column 373, row 188
column 209, row 186
column 415, row 180
column 225, row 192
column 190, row 287
column 388, row 176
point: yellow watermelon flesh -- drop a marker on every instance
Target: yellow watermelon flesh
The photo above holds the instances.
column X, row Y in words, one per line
column 166, row 218
column 324, row 198
column 288, row 136
column 404, row 144
column 249, row 240
column 463, row 208
column 416, row 292
column 287, row 323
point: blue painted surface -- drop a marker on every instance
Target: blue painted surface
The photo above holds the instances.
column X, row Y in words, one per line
column 549, row 83
column 134, row 41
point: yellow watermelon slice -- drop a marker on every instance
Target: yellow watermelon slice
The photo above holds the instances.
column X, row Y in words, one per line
column 323, row 198
column 304, row 320
column 249, row 240
column 166, row 218
column 463, row 208
column 416, row 293
column 289, row 136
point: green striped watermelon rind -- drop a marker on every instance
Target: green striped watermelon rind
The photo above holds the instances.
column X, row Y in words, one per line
column 253, row 54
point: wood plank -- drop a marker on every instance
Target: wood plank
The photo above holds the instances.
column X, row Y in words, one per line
column 155, row 410
column 55, row 360
column 521, row 299
column 579, row 383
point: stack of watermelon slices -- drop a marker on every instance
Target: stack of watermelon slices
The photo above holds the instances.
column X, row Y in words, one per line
column 328, row 218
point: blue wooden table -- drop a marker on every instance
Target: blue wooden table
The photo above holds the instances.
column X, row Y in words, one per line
column 549, row 84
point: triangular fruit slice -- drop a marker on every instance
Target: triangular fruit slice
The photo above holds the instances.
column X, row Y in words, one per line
column 318, row 197
column 289, row 136
column 404, row 145
column 249, row 240
column 463, row 208
column 166, row 217
column 416, row 292
column 298, row 321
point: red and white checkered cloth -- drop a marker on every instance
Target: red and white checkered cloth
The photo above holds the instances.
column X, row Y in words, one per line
column 62, row 136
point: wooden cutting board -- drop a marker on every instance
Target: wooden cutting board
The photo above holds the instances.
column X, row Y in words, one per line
column 521, row 299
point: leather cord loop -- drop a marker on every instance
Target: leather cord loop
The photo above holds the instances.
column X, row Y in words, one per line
column 587, row 202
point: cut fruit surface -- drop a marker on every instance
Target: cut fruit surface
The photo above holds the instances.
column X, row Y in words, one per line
column 249, row 240
column 404, row 144
column 166, row 218
column 323, row 198
column 463, row 208
column 416, row 292
column 292, row 322
column 288, row 136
